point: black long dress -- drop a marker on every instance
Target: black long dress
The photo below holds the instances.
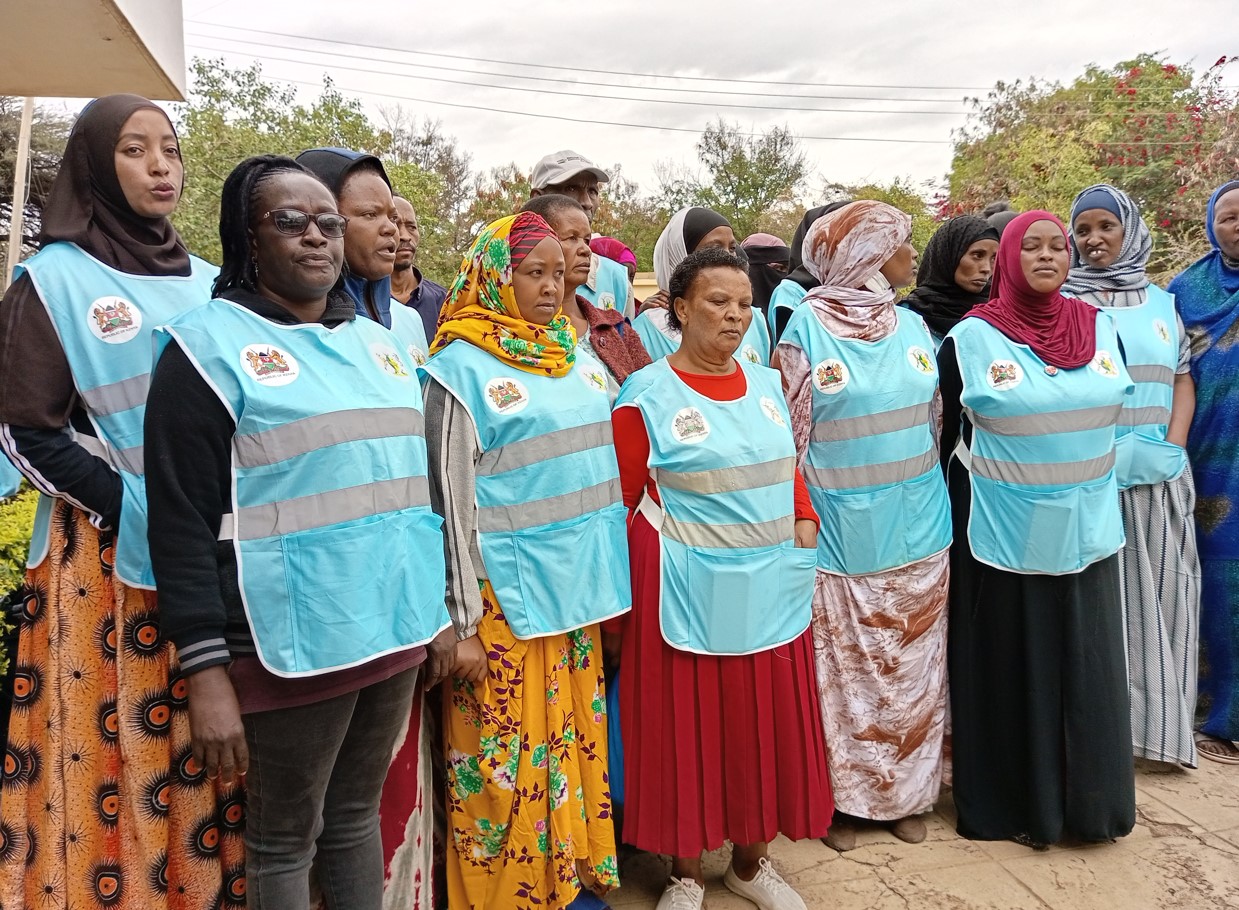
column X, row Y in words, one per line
column 1038, row 676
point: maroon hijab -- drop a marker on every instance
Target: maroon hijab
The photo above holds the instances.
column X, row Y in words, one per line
column 1062, row 331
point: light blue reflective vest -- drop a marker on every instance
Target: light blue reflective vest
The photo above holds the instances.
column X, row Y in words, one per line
column 733, row 580
column 787, row 297
column 1150, row 336
column 1044, row 493
column 660, row 339
column 409, row 329
column 10, row 478
column 611, row 287
column 339, row 556
column 105, row 319
column 551, row 518
column 872, row 465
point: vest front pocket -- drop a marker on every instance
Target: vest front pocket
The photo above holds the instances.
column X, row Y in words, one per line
column 1142, row 460
column 740, row 602
column 563, row 577
column 352, row 591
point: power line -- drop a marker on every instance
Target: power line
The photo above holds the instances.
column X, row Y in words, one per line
column 644, row 88
column 577, row 69
column 546, row 91
column 638, row 126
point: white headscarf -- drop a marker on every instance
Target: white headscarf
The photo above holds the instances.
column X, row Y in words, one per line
column 670, row 251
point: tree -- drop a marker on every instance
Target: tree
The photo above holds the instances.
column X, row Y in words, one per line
column 233, row 114
column 749, row 179
column 623, row 213
column 48, row 134
column 443, row 214
column 1160, row 131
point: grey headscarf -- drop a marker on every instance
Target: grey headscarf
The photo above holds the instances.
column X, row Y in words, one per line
column 1127, row 272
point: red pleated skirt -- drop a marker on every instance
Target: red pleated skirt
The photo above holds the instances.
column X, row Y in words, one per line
column 715, row 748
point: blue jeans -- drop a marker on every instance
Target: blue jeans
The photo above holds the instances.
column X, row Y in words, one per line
column 316, row 776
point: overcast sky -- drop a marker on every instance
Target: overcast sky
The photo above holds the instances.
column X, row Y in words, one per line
column 942, row 51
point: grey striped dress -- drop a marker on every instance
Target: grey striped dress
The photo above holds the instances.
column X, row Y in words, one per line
column 1161, row 597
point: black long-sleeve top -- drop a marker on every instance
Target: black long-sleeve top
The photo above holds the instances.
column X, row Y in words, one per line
column 189, row 490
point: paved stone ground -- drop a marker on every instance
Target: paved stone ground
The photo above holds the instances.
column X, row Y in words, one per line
column 1183, row 854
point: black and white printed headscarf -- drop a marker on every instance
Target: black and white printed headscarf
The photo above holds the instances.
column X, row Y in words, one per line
column 1127, row 272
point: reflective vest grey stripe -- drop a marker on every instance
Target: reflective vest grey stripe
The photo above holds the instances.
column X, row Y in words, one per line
column 322, row 510
column 1052, row 474
column 1051, row 422
column 1154, row 372
column 118, row 396
column 869, row 475
column 1135, row 417
column 567, row 441
column 565, row 507
column 845, row 428
column 730, row 536
column 310, row 433
column 729, row 480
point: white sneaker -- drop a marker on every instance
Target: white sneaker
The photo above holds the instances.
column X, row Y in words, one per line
column 767, row 889
column 682, row 894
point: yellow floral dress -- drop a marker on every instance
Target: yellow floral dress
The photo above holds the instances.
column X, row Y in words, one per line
column 529, row 802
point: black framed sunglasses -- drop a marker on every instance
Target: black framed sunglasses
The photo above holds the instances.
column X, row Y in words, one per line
column 292, row 221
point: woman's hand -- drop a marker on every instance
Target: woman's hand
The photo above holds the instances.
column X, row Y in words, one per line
column 806, row 533
column 656, row 301
column 470, row 660
column 440, row 656
column 216, row 732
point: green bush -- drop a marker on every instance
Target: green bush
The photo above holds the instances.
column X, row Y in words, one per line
column 16, row 521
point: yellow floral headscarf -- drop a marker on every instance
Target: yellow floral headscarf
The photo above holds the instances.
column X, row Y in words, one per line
column 481, row 305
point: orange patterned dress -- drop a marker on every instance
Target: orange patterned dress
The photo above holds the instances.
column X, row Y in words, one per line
column 102, row 804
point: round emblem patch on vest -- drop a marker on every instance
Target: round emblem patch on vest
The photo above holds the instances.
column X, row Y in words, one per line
column 749, row 353
column 114, row 319
column 594, row 378
column 269, row 365
column 1162, row 330
column 1103, row 365
column 1003, row 375
column 606, row 301
column 390, row 361
column 831, row 377
column 770, row 408
column 689, row 426
column 417, row 355
column 505, row 395
column 920, row 360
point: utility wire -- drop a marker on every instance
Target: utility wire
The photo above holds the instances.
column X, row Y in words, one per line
column 546, row 91
column 577, row 69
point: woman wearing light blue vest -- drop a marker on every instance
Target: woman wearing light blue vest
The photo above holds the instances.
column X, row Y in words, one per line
column 98, row 710
column 523, row 470
column 862, row 388
column 1032, row 386
column 291, row 531
column 1160, row 567
column 689, row 230
column 717, row 660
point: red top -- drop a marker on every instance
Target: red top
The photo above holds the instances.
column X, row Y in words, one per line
column 632, row 442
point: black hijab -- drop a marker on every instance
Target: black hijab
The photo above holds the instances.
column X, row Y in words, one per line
column 697, row 223
column 937, row 297
column 87, row 206
column 796, row 270
column 762, row 277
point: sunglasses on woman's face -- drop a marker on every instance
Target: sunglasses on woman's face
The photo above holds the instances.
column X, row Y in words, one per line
column 296, row 223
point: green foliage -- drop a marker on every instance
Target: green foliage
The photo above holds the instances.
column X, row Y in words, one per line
column 16, row 521
column 1164, row 133
column 48, row 132
column 752, row 180
column 233, row 114
column 630, row 217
